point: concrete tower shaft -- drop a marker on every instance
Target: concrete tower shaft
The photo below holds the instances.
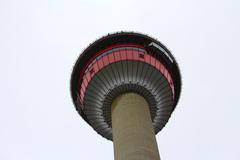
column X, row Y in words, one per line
column 133, row 133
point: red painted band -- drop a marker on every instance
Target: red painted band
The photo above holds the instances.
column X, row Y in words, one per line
column 106, row 49
column 122, row 55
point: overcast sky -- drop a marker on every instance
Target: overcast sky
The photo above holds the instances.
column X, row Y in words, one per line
column 41, row 40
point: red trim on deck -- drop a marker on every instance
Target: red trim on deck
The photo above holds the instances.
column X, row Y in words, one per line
column 106, row 49
column 96, row 65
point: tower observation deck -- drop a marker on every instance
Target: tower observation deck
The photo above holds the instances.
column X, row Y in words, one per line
column 126, row 85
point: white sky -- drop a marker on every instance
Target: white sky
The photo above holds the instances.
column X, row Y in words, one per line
column 41, row 40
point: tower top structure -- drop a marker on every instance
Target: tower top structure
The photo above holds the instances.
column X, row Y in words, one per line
column 120, row 63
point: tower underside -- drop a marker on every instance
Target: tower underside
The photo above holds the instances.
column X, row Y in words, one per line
column 122, row 77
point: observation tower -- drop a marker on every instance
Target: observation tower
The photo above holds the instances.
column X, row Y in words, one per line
column 125, row 86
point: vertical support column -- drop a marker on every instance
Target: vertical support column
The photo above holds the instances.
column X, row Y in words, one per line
column 133, row 134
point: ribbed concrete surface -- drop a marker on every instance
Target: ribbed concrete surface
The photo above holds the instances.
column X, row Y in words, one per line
column 123, row 77
column 133, row 134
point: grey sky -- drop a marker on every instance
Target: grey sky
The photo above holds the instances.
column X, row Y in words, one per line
column 40, row 41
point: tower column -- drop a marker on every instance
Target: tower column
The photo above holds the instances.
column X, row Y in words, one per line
column 133, row 134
